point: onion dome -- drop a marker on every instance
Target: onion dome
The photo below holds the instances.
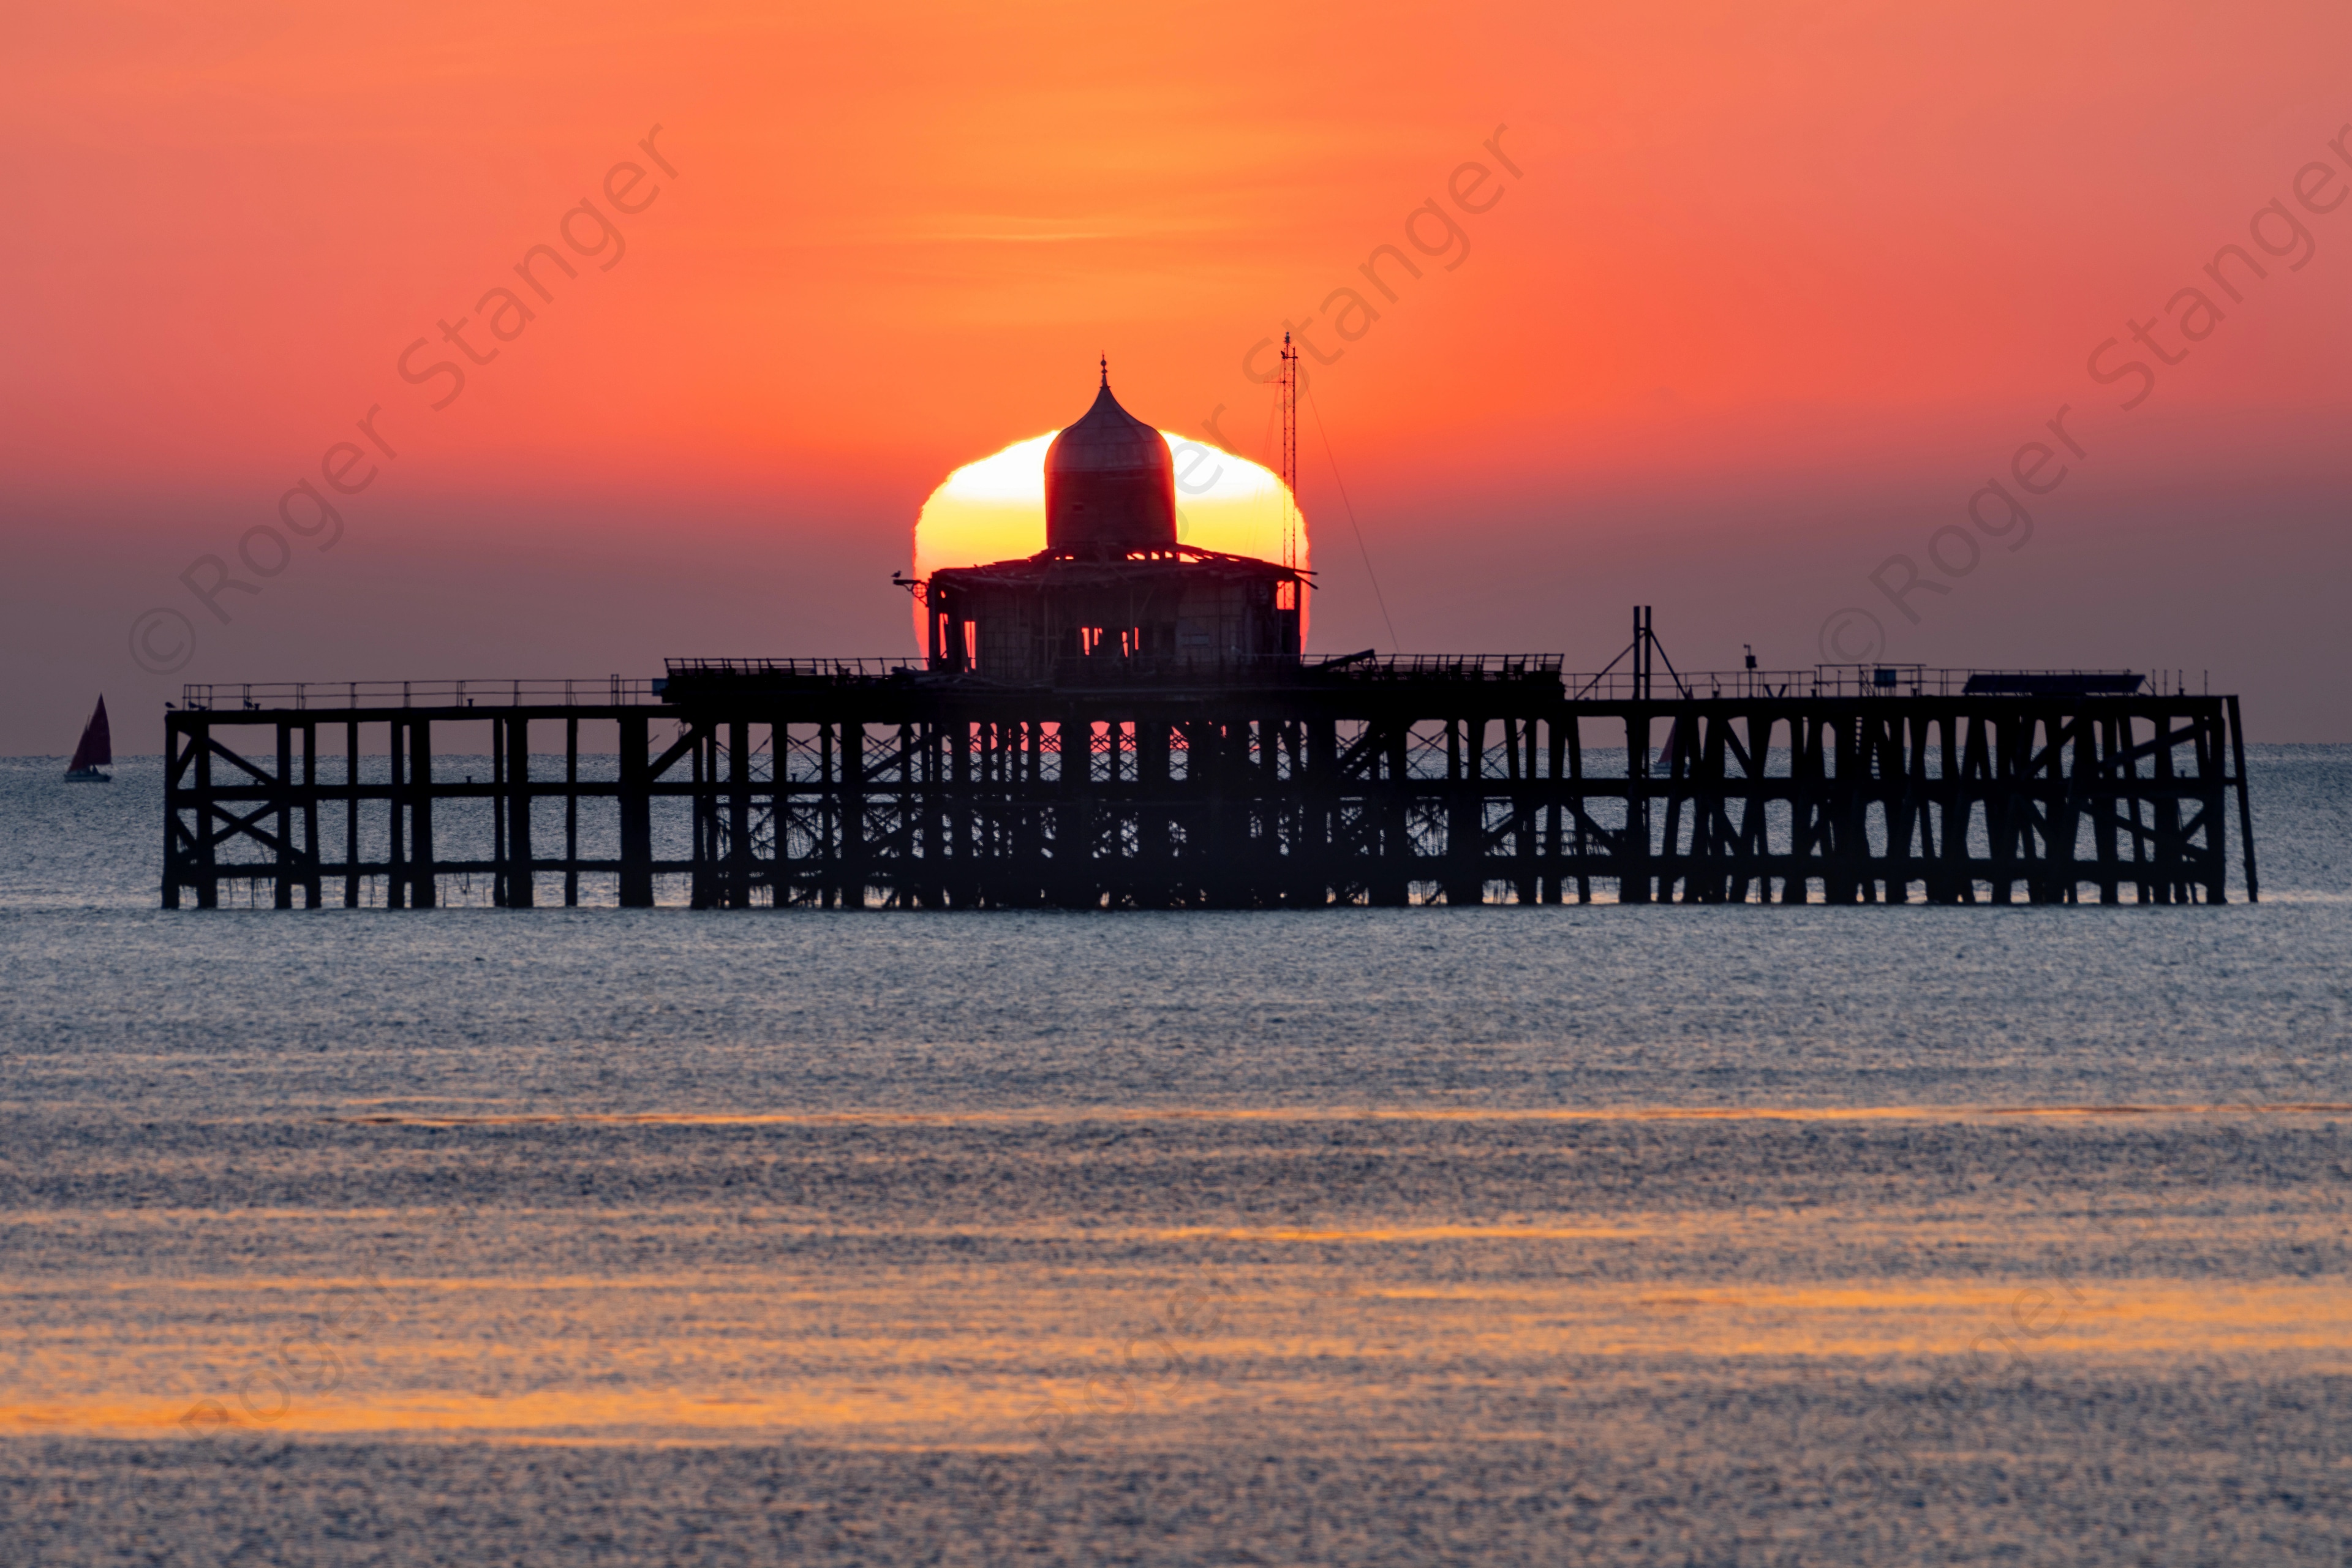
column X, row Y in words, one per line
column 1109, row 481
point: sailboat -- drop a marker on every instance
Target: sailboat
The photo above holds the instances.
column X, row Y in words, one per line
column 96, row 750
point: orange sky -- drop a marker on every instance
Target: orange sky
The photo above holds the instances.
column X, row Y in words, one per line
column 1765, row 294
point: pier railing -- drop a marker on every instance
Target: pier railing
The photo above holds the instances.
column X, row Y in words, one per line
column 1867, row 680
column 830, row 670
column 616, row 691
column 1367, row 668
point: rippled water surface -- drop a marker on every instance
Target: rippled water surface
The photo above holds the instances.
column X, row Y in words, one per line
column 1613, row 1235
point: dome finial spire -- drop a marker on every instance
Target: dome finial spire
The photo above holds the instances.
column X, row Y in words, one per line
column 1109, row 481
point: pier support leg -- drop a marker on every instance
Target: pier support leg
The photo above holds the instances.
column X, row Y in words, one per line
column 207, row 862
column 395, row 878
column 424, row 883
column 636, row 814
column 176, row 761
column 852, row 888
column 519, row 892
column 1073, row 869
column 283, row 871
column 1633, row 882
column 571, row 814
column 351, row 814
column 2245, row 808
column 739, row 814
column 309, row 804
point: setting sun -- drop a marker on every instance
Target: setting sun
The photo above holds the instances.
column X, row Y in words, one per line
column 994, row 510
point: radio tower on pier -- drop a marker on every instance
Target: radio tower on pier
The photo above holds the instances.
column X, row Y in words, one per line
column 1288, row 387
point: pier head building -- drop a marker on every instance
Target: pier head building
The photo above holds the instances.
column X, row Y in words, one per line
column 1114, row 596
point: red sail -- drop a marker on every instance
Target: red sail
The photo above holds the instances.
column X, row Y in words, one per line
column 96, row 747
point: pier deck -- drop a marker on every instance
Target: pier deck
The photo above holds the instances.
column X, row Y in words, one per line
column 850, row 785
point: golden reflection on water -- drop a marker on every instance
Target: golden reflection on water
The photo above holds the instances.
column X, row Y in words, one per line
column 897, row 1328
column 989, row 1358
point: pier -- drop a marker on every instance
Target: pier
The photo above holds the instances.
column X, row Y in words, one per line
column 851, row 785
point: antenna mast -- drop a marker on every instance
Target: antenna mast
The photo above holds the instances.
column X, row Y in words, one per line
column 1288, row 381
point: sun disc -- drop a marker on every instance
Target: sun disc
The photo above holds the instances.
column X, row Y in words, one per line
column 994, row 510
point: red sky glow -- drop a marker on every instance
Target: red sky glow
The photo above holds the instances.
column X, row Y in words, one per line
column 2022, row 328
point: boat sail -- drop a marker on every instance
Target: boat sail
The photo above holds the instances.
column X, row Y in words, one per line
column 96, row 750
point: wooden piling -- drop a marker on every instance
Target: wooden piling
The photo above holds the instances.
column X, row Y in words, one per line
column 635, row 801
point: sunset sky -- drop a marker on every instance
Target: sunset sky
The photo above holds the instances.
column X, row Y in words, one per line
column 1719, row 308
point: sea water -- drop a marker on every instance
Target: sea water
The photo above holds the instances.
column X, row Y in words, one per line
column 1667, row 1234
